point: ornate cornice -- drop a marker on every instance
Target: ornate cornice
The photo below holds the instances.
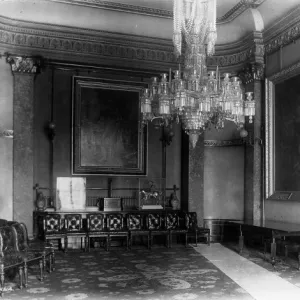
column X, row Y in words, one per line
column 133, row 9
column 283, row 32
column 238, row 9
column 49, row 40
column 7, row 133
column 45, row 39
column 233, row 13
column 21, row 64
column 224, row 143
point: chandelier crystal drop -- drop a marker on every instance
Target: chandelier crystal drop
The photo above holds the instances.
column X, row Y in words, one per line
column 197, row 97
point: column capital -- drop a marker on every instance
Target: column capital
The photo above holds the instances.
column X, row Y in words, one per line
column 24, row 64
column 252, row 72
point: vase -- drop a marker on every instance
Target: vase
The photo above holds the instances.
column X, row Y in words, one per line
column 174, row 201
column 40, row 201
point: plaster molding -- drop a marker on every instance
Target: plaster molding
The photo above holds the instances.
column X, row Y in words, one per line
column 283, row 32
column 233, row 13
column 7, row 133
column 224, row 143
column 48, row 40
column 285, row 73
column 20, row 64
column 127, row 8
column 238, row 9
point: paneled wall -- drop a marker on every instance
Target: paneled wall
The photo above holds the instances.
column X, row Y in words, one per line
column 54, row 94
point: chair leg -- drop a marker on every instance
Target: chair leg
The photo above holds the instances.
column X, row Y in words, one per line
column 41, row 270
column 170, row 240
column 50, row 263
column 196, row 236
column 1, row 278
column 66, row 243
column 25, row 274
column 186, row 240
column 21, row 276
column 53, row 259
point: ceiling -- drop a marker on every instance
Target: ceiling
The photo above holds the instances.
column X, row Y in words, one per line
column 148, row 18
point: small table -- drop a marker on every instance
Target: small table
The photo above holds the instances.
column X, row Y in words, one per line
column 273, row 229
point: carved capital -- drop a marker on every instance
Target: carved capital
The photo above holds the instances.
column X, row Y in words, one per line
column 21, row 64
column 7, row 133
column 251, row 72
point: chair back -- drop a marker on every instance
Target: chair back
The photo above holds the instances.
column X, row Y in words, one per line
column 52, row 223
column 22, row 236
column 95, row 222
column 135, row 221
column 172, row 221
column 191, row 220
column 155, row 221
column 115, row 222
column 8, row 240
column 73, row 222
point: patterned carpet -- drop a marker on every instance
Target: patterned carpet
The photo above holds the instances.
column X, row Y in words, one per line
column 175, row 274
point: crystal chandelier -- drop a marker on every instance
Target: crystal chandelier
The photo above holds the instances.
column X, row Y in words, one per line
column 200, row 99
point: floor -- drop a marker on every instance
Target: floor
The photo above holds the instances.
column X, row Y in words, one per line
column 202, row 272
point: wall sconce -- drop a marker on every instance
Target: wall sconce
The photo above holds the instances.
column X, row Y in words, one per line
column 248, row 138
column 51, row 130
column 167, row 135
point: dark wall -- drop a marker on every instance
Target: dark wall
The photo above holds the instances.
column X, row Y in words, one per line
column 53, row 93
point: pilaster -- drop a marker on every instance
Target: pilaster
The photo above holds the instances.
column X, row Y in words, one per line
column 196, row 178
column 253, row 76
column 24, row 70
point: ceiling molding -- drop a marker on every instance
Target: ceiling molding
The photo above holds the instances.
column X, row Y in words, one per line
column 238, row 9
column 127, row 8
column 51, row 41
column 283, row 32
column 233, row 13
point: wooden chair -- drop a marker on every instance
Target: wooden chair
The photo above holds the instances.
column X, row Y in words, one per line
column 74, row 228
column 116, row 228
column 96, row 229
column 193, row 230
column 54, row 229
column 33, row 252
column 136, row 227
column 175, row 227
column 157, row 226
column 10, row 259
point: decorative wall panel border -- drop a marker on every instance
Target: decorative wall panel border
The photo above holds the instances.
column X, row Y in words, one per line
column 225, row 143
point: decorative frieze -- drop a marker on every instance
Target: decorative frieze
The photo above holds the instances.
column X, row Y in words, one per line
column 23, row 64
column 284, row 32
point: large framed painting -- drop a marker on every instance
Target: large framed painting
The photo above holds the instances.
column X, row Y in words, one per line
column 282, row 119
column 108, row 135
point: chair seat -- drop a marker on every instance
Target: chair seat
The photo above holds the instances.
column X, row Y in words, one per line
column 125, row 233
column 11, row 260
column 139, row 232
